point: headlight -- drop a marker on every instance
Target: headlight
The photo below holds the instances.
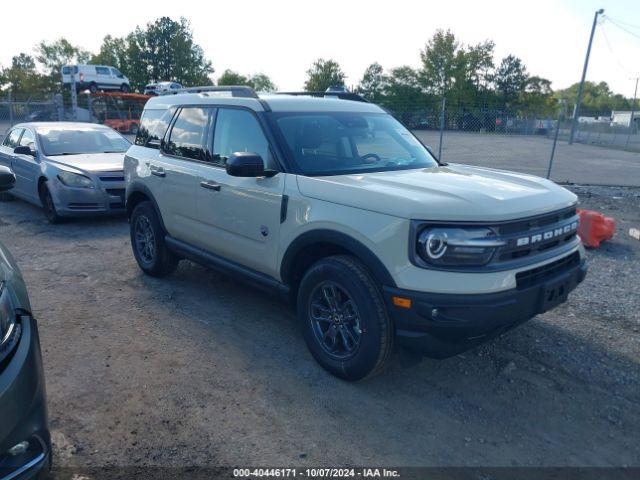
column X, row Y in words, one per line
column 9, row 329
column 75, row 180
column 457, row 246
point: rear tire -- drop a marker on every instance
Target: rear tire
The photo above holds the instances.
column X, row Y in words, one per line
column 48, row 206
column 352, row 335
column 93, row 88
column 147, row 241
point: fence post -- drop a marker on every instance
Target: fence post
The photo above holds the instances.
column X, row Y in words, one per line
column 555, row 139
column 74, row 97
column 444, row 102
column 10, row 101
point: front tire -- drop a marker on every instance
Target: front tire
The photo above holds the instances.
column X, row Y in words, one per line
column 147, row 241
column 93, row 88
column 124, row 88
column 343, row 318
column 48, row 206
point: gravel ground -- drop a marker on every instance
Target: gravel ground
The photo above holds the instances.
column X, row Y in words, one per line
column 197, row 369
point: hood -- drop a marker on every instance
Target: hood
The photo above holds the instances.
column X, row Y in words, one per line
column 91, row 162
column 451, row 193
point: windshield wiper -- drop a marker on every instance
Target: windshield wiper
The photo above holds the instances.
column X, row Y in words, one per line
column 114, row 151
column 63, row 153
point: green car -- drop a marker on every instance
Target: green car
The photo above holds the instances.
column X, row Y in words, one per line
column 25, row 444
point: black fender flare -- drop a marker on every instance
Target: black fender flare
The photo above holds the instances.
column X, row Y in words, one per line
column 339, row 239
column 139, row 187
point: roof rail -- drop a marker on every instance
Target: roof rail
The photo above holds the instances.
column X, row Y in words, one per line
column 341, row 95
column 235, row 90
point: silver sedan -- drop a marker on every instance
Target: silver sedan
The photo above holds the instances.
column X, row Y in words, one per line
column 70, row 169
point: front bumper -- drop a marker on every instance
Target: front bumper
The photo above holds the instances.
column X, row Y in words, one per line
column 107, row 198
column 442, row 325
column 24, row 411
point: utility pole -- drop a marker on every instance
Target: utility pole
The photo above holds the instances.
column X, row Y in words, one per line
column 576, row 111
column 632, row 123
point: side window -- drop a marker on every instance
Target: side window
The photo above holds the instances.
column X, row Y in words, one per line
column 28, row 139
column 12, row 139
column 153, row 125
column 117, row 72
column 102, row 71
column 238, row 131
column 188, row 134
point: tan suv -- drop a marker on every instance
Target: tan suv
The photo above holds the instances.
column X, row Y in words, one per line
column 329, row 201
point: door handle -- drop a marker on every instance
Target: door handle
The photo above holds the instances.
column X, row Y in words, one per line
column 210, row 186
column 157, row 171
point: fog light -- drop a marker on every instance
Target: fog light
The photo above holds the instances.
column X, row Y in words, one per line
column 18, row 449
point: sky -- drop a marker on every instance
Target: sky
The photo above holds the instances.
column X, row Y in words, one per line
column 282, row 37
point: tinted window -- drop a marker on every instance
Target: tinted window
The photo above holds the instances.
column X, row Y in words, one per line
column 153, row 125
column 102, row 71
column 12, row 139
column 116, row 72
column 342, row 143
column 28, row 139
column 67, row 70
column 238, row 131
column 187, row 137
column 61, row 141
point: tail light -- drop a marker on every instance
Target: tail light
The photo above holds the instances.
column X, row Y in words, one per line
column 81, row 77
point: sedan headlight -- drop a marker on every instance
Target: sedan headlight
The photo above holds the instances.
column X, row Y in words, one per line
column 9, row 328
column 71, row 179
column 471, row 246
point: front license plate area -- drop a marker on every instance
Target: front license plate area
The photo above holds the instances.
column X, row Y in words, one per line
column 554, row 293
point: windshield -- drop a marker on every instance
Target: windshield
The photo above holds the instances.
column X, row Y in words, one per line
column 64, row 141
column 337, row 143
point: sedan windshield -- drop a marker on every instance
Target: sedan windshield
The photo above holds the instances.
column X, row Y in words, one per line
column 338, row 143
column 65, row 141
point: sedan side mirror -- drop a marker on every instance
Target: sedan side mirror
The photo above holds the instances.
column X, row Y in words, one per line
column 7, row 179
column 24, row 150
column 247, row 164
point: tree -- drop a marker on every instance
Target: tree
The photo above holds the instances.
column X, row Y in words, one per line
column 53, row 56
column 113, row 51
column 262, row 83
column 439, row 62
column 165, row 50
column 23, row 78
column 373, row 83
column 403, row 94
column 510, row 78
column 324, row 74
column 229, row 77
column 597, row 98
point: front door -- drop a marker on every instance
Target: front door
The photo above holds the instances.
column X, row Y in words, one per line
column 27, row 167
column 240, row 217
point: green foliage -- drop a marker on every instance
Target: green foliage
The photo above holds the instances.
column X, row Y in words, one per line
column 113, row 51
column 23, row 78
column 259, row 81
column 510, row 79
column 324, row 74
column 374, row 83
column 597, row 98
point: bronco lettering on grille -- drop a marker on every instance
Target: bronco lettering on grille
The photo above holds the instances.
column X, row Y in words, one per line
column 548, row 235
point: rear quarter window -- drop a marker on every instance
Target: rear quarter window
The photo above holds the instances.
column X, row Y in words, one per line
column 153, row 125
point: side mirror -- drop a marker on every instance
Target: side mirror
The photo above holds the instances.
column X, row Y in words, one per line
column 24, row 150
column 245, row 164
column 7, row 179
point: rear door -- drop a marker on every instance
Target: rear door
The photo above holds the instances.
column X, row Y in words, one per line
column 239, row 217
column 176, row 171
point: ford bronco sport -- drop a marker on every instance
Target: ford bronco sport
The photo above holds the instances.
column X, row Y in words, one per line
column 329, row 201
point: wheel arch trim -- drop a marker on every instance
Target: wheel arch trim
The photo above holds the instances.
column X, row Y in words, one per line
column 339, row 239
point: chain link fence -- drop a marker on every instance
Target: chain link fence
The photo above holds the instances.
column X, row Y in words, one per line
column 603, row 153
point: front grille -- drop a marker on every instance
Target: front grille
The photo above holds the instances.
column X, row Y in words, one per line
column 530, row 237
column 538, row 275
column 116, row 192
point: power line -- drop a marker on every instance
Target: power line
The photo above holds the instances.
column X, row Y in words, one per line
column 623, row 28
column 623, row 23
column 615, row 57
